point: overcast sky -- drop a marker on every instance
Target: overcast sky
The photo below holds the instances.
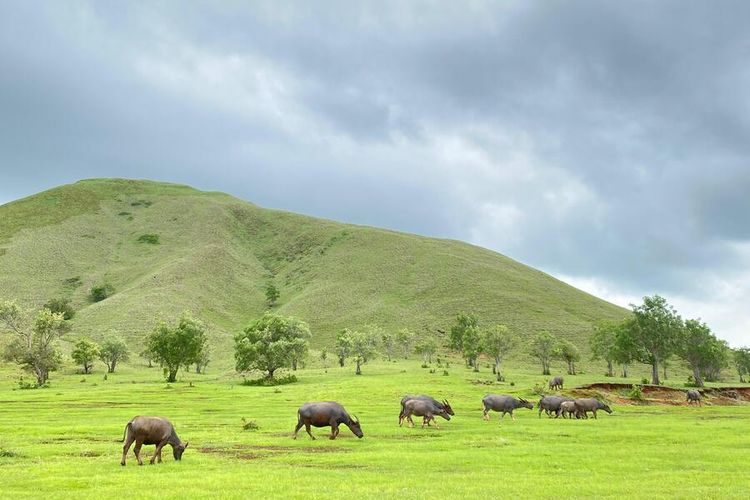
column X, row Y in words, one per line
column 606, row 143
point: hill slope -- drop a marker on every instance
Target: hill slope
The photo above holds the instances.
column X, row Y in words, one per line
column 216, row 253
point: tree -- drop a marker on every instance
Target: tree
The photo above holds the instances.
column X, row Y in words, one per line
column 625, row 351
column 405, row 339
column 464, row 323
column 203, row 359
column 425, row 347
column 181, row 345
column 543, row 348
column 695, row 347
column 741, row 358
column 146, row 354
column 655, row 328
column 324, row 358
column 34, row 344
column 272, row 294
column 84, row 353
column 112, row 351
column 603, row 346
column 270, row 343
column 364, row 346
column 569, row 353
column 61, row 306
column 100, row 292
column 343, row 345
column 389, row 344
column 496, row 343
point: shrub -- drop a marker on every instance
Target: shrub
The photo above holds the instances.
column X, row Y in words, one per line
column 636, row 394
column 249, row 425
column 61, row 306
column 538, row 389
column 270, row 382
column 100, row 292
column 644, row 381
column 151, row 239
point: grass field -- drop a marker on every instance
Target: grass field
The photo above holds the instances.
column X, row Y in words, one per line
column 63, row 441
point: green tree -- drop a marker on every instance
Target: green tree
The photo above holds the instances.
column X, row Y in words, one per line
column 655, row 329
column 496, row 343
column 426, row 347
column 34, row 342
column 100, row 292
column 698, row 347
column 741, row 357
column 177, row 346
column 570, row 354
column 465, row 337
column 324, row 358
column 602, row 344
column 405, row 339
column 112, row 351
column 543, row 348
column 270, row 343
column 364, row 346
column 389, row 344
column 61, row 306
column 84, row 353
column 343, row 345
column 203, row 359
column 272, row 294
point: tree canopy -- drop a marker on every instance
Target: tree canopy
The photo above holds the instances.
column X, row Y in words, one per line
column 497, row 342
column 177, row 346
column 270, row 342
column 543, row 348
column 84, row 353
column 112, row 351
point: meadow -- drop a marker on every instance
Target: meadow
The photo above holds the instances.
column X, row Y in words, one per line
column 64, row 441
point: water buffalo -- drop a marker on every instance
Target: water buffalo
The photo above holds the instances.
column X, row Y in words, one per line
column 569, row 408
column 556, row 383
column 503, row 403
column 590, row 405
column 439, row 404
column 151, row 430
column 425, row 409
column 551, row 404
column 693, row 396
column 326, row 414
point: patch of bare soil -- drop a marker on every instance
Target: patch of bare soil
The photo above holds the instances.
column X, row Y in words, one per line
column 656, row 394
column 249, row 452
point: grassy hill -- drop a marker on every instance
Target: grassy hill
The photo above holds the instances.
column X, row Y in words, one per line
column 216, row 253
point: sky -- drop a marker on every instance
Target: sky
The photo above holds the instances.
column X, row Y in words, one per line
column 605, row 143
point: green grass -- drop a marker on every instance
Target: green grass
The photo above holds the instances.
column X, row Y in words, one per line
column 63, row 441
column 216, row 255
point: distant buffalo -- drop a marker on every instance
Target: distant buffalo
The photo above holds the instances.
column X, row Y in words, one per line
column 590, row 405
column 551, row 404
column 556, row 383
column 443, row 405
column 504, row 404
column 151, row 430
column 425, row 409
column 694, row 396
column 568, row 408
column 326, row 414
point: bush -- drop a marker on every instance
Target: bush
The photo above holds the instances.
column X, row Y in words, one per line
column 270, row 382
column 100, row 292
column 690, row 382
column 249, row 425
column 644, row 381
column 636, row 394
column 152, row 239
column 61, row 306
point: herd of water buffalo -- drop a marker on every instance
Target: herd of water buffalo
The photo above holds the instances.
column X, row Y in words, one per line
column 160, row 432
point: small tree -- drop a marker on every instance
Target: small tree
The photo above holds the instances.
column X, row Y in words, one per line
column 112, row 351
column 33, row 344
column 543, row 348
column 100, row 292
column 272, row 294
column 466, row 326
column 178, row 346
column 569, row 353
column 324, row 358
column 84, row 353
column 741, row 357
column 343, row 345
column 426, row 347
column 203, row 359
column 497, row 342
column 364, row 346
column 405, row 340
column 270, row 343
column 389, row 344
column 472, row 346
column 61, row 306
column 602, row 344
column 146, row 354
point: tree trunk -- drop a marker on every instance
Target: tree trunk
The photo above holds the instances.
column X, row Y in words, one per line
column 545, row 367
column 172, row 375
column 664, row 365
column 359, row 371
column 610, row 369
column 697, row 377
column 111, row 367
column 270, row 372
column 655, row 373
column 341, row 361
column 624, row 370
column 294, row 364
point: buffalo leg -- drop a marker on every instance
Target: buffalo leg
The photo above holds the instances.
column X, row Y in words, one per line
column 158, row 456
column 511, row 416
column 307, row 428
column 334, row 430
column 137, row 451
column 594, row 414
column 296, row 429
column 157, row 452
column 409, row 419
column 125, row 449
column 486, row 415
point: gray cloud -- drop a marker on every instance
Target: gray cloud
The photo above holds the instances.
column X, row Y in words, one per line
column 605, row 142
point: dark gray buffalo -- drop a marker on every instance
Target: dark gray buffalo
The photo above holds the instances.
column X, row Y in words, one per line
column 443, row 405
column 151, row 430
column 551, row 404
column 556, row 383
column 504, row 404
column 590, row 405
column 693, row 396
column 326, row 414
column 425, row 409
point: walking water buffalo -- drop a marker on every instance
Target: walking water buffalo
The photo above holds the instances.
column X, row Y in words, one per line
column 504, row 404
column 694, row 396
column 151, row 430
column 556, row 383
column 425, row 409
column 439, row 404
column 551, row 404
column 326, row 414
column 569, row 408
column 585, row 405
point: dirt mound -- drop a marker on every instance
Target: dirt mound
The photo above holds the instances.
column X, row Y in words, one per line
column 657, row 394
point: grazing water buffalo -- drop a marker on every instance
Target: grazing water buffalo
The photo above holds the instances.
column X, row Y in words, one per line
column 151, row 430
column 551, row 404
column 693, row 396
column 425, row 409
column 503, row 403
column 439, row 404
column 326, row 414
column 590, row 404
column 568, row 407
column 556, row 383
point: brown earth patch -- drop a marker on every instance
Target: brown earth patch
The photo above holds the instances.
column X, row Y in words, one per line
column 250, row 452
column 656, row 394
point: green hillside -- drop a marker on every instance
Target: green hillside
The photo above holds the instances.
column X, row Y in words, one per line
column 216, row 253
